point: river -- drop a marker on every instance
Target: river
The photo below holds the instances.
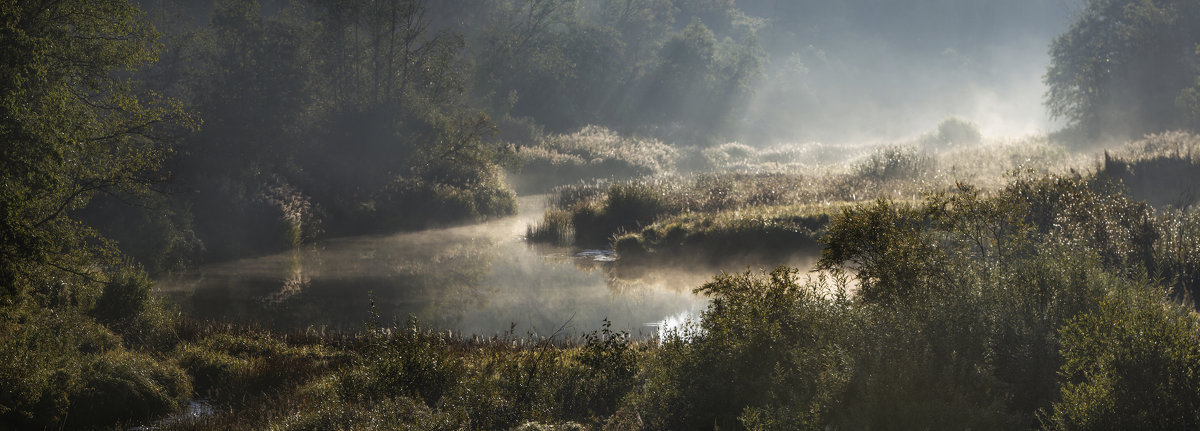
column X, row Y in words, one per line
column 478, row 279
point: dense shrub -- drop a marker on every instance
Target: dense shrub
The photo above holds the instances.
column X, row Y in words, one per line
column 123, row 386
column 230, row 366
column 555, row 228
column 1177, row 251
column 607, row 364
column 475, row 197
column 624, row 207
column 129, row 308
column 43, row 353
column 408, row 364
column 754, row 235
column 887, row 247
column 62, row 369
column 763, row 341
column 1162, row 169
column 1133, row 362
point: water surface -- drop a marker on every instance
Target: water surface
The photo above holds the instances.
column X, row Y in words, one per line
column 478, row 279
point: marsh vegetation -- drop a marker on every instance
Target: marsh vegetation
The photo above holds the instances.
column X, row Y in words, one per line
column 599, row 214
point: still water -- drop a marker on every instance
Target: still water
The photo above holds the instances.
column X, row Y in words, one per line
column 479, row 279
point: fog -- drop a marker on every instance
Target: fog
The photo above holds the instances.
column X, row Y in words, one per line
column 867, row 74
column 343, row 150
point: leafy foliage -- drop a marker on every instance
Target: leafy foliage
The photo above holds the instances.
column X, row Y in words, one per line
column 1127, row 66
column 72, row 128
column 1132, row 362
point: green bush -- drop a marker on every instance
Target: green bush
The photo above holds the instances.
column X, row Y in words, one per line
column 630, row 246
column 592, row 152
column 763, row 341
column 391, row 414
column 607, row 366
column 1177, row 251
column 233, row 365
column 887, row 246
column 60, row 368
column 120, row 386
column 478, row 197
column 212, row 371
column 403, row 363
column 625, row 207
column 42, row 355
column 1133, row 362
column 128, row 307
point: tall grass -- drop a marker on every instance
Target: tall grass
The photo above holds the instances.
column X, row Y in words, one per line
column 1162, row 169
column 591, row 153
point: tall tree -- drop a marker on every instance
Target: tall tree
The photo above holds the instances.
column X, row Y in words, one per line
column 72, row 124
column 1127, row 65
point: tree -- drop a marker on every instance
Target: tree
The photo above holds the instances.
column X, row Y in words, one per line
column 1127, row 65
column 72, row 125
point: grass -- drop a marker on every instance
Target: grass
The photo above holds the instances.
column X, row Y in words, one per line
column 601, row 213
column 1162, row 169
column 756, row 235
column 405, row 376
column 591, row 153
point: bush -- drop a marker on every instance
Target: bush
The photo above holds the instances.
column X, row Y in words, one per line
column 956, row 132
column 1162, row 169
column 593, row 152
column 128, row 307
column 211, row 370
column 60, row 368
column 232, row 366
column 120, row 386
column 605, row 368
column 892, row 163
column 888, row 248
column 625, row 207
column 471, row 199
column 405, row 363
column 762, row 342
column 1177, row 251
column 630, row 246
column 1133, row 362
column 42, row 353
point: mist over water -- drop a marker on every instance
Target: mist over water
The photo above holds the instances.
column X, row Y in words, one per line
column 479, row 279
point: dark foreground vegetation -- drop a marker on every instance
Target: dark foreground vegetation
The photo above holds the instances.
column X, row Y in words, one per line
column 945, row 298
column 1054, row 302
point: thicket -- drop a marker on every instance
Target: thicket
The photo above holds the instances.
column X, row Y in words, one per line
column 965, row 311
column 1043, row 304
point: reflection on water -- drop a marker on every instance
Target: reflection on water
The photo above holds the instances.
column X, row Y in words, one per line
column 479, row 279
